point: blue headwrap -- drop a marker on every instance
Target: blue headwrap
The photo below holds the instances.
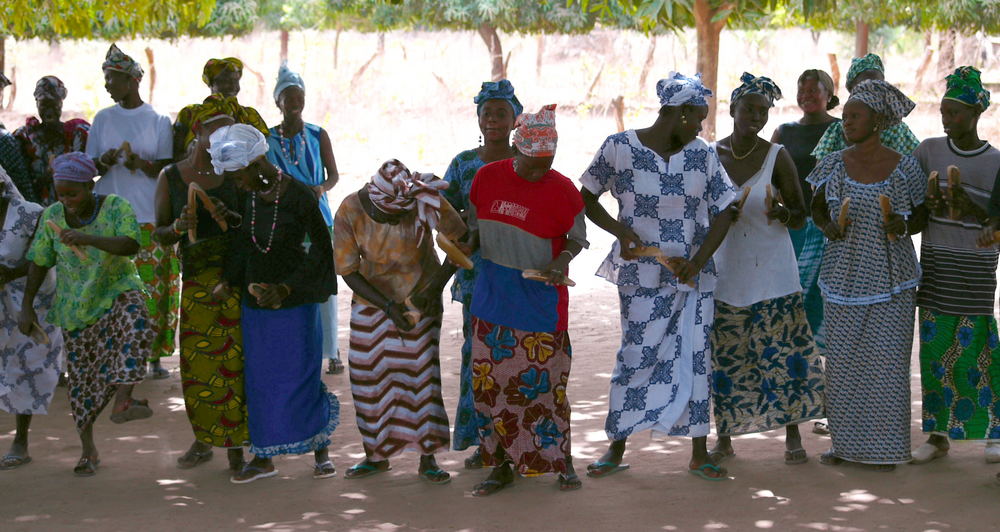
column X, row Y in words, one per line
column 287, row 78
column 497, row 90
column 756, row 85
column 677, row 89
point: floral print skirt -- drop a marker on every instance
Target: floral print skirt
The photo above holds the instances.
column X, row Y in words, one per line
column 767, row 370
column 519, row 387
column 960, row 375
column 160, row 270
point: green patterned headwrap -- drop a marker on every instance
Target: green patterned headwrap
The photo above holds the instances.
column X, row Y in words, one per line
column 965, row 86
column 860, row 64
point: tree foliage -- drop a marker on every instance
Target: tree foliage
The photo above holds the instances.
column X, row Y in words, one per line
column 53, row 19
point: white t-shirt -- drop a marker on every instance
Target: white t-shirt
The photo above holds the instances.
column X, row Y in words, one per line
column 151, row 137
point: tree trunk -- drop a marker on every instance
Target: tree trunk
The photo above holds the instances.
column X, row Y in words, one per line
column 151, row 75
column 336, row 49
column 946, row 59
column 925, row 64
column 648, row 64
column 13, row 87
column 361, row 71
column 284, row 45
column 834, row 70
column 489, row 35
column 539, row 53
column 708, row 54
column 618, row 105
column 860, row 38
column 597, row 78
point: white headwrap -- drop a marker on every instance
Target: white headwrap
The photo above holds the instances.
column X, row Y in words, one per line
column 677, row 89
column 235, row 147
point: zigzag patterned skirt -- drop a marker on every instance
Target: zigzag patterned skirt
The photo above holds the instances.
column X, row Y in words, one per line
column 396, row 384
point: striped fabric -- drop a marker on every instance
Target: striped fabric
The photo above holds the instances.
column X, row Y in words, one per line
column 959, row 282
column 396, row 384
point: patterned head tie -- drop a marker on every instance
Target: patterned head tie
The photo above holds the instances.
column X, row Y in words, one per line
column 497, row 90
column 883, row 98
column 394, row 189
column 214, row 67
column 287, row 78
column 535, row 134
column 50, row 88
column 7, row 187
column 214, row 105
column 861, row 64
column 966, row 86
column 677, row 89
column 756, row 85
column 235, row 147
column 118, row 61
column 74, row 166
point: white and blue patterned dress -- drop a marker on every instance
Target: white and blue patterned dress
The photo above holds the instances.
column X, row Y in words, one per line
column 869, row 287
column 661, row 377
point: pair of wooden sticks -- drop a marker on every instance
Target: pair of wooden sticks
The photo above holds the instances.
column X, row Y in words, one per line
column 196, row 194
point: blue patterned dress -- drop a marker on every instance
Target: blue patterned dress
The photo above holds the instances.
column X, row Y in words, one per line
column 661, row 376
column 869, row 285
column 459, row 175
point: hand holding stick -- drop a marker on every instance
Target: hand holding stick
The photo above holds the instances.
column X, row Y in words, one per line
column 453, row 253
column 58, row 230
column 886, row 205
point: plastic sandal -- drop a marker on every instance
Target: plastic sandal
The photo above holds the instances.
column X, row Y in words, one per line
column 193, row 458
column 796, row 456
column 489, row 487
column 363, row 470
column 435, row 476
column 86, row 467
column 134, row 409
column 700, row 472
column 324, row 470
column 12, row 461
column 258, row 474
column 569, row 482
column 603, row 469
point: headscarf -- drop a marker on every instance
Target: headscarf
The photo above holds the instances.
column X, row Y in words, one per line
column 861, row 64
column 756, row 85
column 287, row 78
column 677, row 89
column 966, row 87
column 214, row 67
column 235, row 147
column 215, row 105
column 394, row 189
column 74, row 166
column 118, row 61
column 50, row 88
column 9, row 190
column 497, row 90
column 535, row 134
column 883, row 98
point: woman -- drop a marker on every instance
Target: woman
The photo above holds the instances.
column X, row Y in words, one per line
column 528, row 217
column 673, row 195
column 384, row 252
column 210, row 336
column 47, row 136
column 496, row 108
column 897, row 137
column 869, row 277
column 304, row 152
column 29, row 365
column 132, row 176
column 767, row 371
column 99, row 300
column 289, row 410
column 959, row 351
column 816, row 96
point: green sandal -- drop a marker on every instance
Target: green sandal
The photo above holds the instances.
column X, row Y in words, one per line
column 362, row 470
column 435, row 476
column 701, row 473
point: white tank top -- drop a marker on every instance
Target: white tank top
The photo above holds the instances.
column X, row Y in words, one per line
column 756, row 261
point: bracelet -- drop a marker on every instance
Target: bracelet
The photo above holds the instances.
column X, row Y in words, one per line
column 788, row 216
column 570, row 253
column 906, row 226
column 176, row 231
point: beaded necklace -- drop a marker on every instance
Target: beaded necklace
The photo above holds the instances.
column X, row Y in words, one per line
column 287, row 152
column 274, row 221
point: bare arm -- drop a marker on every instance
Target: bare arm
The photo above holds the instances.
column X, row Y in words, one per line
column 329, row 161
column 373, row 295
column 599, row 215
column 786, row 179
column 36, row 275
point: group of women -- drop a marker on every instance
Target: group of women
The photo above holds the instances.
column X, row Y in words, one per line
column 762, row 283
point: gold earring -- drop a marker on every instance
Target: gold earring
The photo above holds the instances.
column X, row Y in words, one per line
column 684, row 119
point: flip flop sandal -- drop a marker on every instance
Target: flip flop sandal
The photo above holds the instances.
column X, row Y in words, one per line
column 717, row 457
column 489, row 487
column 821, row 428
column 324, row 470
column 475, row 461
column 700, row 472
column 362, row 470
column 86, row 467
column 569, row 482
column 435, row 476
column 927, row 452
column 258, row 474
column 136, row 409
column 193, row 458
column 160, row 374
column 992, row 453
column 828, row 458
column 796, row 456
column 12, row 461
column 335, row 367
column 603, row 469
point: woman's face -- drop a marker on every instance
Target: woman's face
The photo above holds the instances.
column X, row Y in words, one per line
column 859, row 122
column 812, row 96
column 958, row 119
column 689, row 128
column 49, row 110
column 75, row 197
column 249, row 178
column 750, row 114
column 291, row 101
column 532, row 169
column 117, row 84
column 227, row 83
column 496, row 120
column 203, row 132
column 866, row 75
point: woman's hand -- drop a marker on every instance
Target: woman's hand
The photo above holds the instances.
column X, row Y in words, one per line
column 72, row 237
column 26, row 320
column 779, row 213
column 895, row 224
column 934, row 203
column 427, row 302
column 627, row 239
column 186, row 220
column 964, row 206
column 221, row 291
column 833, row 231
column 684, row 269
column 319, row 190
column 273, row 295
column 109, row 158
column 397, row 313
column 987, row 237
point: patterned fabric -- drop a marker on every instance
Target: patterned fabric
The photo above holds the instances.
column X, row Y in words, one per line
column 960, row 375
column 87, row 289
column 667, row 203
column 39, row 147
column 466, row 431
column 519, row 384
column 756, row 85
column 74, row 166
column 211, row 351
column 395, row 190
column 214, row 67
column 160, row 270
column 677, row 89
column 396, row 384
column 13, row 162
column 767, row 371
column 287, row 78
column 883, row 98
column 213, row 105
column 868, row 379
column 898, row 137
column 861, row 64
column 808, row 243
column 661, row 378
column 966, row 87
column 289, row 410
column 497, row 90
column 535, row 134
column 235, row 147
column 110, row 352
column 28, row 370
column 118, row 61
column 50, row 88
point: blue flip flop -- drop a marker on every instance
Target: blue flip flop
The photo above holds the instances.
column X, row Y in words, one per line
column 362, row 470
column 700, row 472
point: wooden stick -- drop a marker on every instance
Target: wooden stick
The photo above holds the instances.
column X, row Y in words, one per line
column 539, row 275
column 743, row 198
column 195, row 194
column 843, row 219
column 412, row 314
column 193, row 204
column 886, row 205
column 38, row 334
column 646, row 251
column 453, row 252
column 954, row 181
column 58, row 230
column 933, row 188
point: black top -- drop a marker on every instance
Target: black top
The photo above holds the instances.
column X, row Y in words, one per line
column 305, row 266
column 207, row 228
column 800, row 140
